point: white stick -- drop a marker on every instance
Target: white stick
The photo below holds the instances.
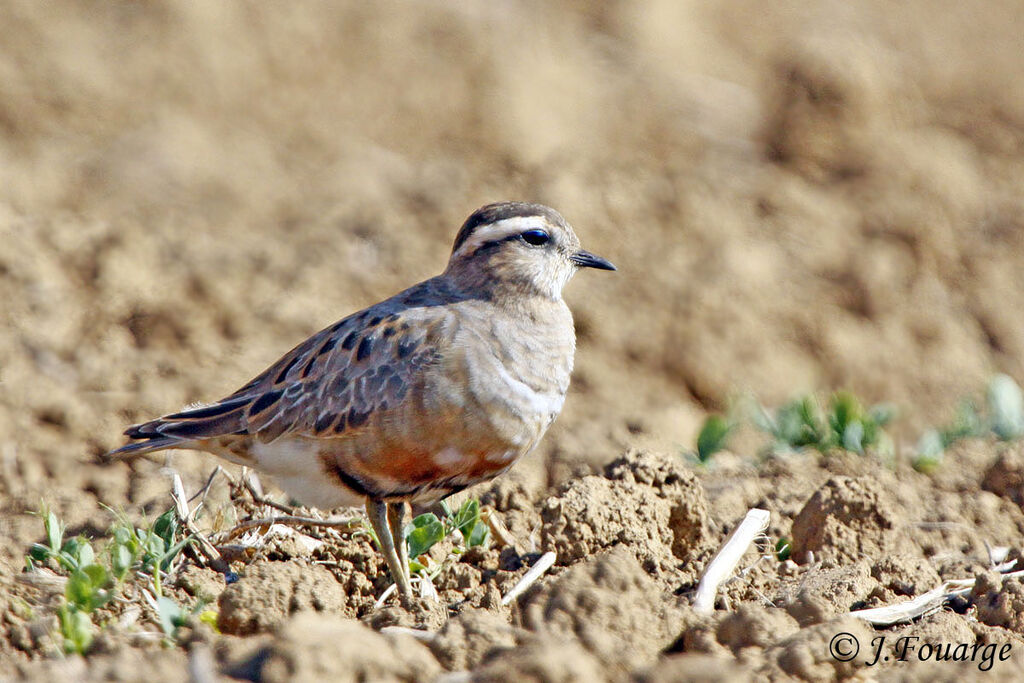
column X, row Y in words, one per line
column 724, row 562
column 384, row 596
column 538, row 569
column 922, row 604
column 180, row 499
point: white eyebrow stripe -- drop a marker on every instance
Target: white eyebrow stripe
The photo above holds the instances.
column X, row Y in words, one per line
column 500, row 230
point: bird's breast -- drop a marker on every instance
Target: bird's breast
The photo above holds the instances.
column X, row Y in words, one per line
column 516, row 373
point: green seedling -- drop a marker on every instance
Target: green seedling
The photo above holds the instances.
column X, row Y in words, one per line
column 847, row 425
column 76, row 629
column 89, row 588
column 782, row 549
column 173, row 616
column 713, row 437
column 1003, row 418
column 929, row 451
column 68, row 555
column 149, row 550
column 94, row 578
column 427, row 530
column 1006, row 408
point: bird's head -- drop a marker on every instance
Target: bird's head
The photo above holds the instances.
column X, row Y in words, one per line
column 519, row 247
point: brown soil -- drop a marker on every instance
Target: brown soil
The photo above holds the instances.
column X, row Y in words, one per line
column 799, row 198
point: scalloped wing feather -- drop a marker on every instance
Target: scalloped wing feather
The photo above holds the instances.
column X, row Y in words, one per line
column 329, row 384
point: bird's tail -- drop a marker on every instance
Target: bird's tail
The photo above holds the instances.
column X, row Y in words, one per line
column 184, row 429
column 142, row 447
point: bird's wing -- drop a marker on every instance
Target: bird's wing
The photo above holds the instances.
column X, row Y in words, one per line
column 328, row 384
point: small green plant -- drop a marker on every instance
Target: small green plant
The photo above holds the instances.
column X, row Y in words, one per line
column 713, row 437
column 847, row 425
column 149, row 550
column 782, row 549
column 95, row 578
column 1002, row 417
column 1005, row 408
column 427, row 530
column 173, row 616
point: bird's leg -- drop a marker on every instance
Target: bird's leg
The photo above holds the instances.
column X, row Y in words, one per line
column 377, row 511
column 396, row 520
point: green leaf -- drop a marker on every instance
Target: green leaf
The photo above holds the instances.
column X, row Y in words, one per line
column 77, row 552
column 479, row 536
column 153, row 549
column 54, row 531
column 799, row 424
column 966, row 423
column 881, row 414
column 782, row 549
column 929, row 451
column 70, row 553
column 423, row 533
column 79, row 590
column 86, row 587
column 97, row 573
column 173, row 552
column 846, row 410
column 1006, row 405
column 76, row 629
column 121, row 560
column 209, row 617
column 930, row 445
column 166, row 526
column 172, row 616
column 713, row 436
column 853, row 437
column 466, row 518
column 39, row 553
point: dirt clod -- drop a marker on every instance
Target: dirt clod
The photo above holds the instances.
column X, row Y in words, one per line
column 593, row 513
column 1005, row 477
column 611, row 606
column 1001, row 605
column 698, row 668
column 844, row 520
column 904, row 575
column 466, row 640
column 320, row 647
column 754, row 626
column 645, row 502
column 268, row 594
column 680, row 487
column 539, row 661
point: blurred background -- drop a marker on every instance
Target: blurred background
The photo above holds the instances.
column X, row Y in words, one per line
column 800, row 196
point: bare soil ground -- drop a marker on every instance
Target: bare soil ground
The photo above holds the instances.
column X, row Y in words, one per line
column 800, row 197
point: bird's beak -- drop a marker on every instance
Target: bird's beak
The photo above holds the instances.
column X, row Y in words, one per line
column 584, row 259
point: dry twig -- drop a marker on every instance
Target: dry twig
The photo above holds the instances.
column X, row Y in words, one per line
column 536, row 571
column 725, row 560
column 909, row 610
column 292, row 520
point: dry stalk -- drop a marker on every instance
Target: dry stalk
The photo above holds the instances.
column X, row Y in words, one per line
column 536, row 571
column 909, row 610
column 291, row 520
column 725, row 560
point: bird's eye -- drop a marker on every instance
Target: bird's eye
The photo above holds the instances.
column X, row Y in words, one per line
column 535, row 237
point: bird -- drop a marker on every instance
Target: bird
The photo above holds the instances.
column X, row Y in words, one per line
column 437, row 388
